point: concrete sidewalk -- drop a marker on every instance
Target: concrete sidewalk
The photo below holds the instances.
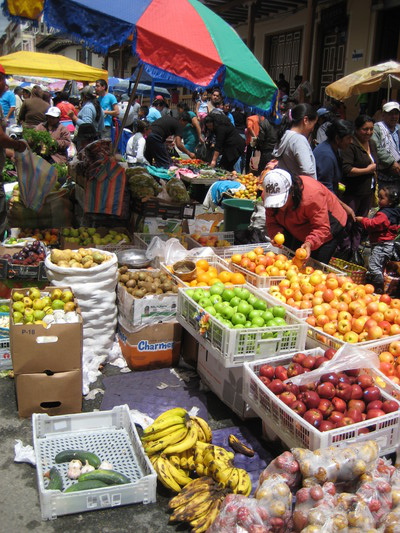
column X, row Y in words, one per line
column 18, row 485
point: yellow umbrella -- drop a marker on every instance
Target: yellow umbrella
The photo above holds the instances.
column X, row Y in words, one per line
column 367, row 80
column 50, row 66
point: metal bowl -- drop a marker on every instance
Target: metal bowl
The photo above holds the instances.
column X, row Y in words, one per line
column 134, row 258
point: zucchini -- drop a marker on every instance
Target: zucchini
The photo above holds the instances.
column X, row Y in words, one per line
column 110, row 477
column 56, row 482
column 68, row 455
column 86, row 485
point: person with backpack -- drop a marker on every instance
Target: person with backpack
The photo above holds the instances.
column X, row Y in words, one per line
column 266, row 140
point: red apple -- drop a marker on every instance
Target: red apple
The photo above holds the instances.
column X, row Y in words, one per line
column 326, row 425
column 311, row 399
column 353, row 372
column 299, row 358
column 376, row 404
column 329, row 353
column 343, row 378
column 339, row 404
column 326, row 407
column 385, row 298
column 291, row 387
column 294, row 369
column 371, row 394
column 276, row 386
column 363, row 431
column 390, row 406
column 356, row 404
column 346, row 421
column 355, row 415
column 343, row 391
column 336, row 416
column 311, row 385
column 299, row 407
column 265, row 380
column 309, row 362
column 365, row 380
column 313, row 417
column 356, row 392
column 281, row 373
column 330, row 377
column 326, row 390
column 287, row 398
column 319, row 361
column 268, row 371
column 385, row 326
column 374, row 413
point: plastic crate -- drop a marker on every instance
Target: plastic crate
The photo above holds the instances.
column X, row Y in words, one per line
column 294, row 431
column 235, row 346
column 213, row 261
column 317, row 338
column 356, row 272
column 109, row 434
column 302, row 314
column 154, row 207
column 264, row 282
column 228, row 236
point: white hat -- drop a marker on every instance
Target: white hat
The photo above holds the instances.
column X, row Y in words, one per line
column 53, row 112
column 389, row 106
column 276, row 185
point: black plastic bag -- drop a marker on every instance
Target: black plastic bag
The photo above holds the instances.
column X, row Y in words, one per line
column 201, row 152
column 250, row 236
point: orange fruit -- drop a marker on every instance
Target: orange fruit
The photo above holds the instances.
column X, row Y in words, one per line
column 279, row 238
column 203, row 278
column 193, row 283
column 214, row 280
column 212, row 272
column 225, row 276
column 237, row 278
column 203, row 263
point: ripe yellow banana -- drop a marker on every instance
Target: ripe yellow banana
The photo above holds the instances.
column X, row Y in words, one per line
column 205, row 428
column 223, row 476
column 190, row 459
column 188, row 442
column 212, row 514
column 216, row 466
column 175, row 437
column 175, row 460
column 176, row 411
column 202, row 445
column 198, row 504
column 180, row 478
column 190, row 491
column 233, row 479
column 239, row 446
column 244, row 483
column 183, row 462
column 200, row 512
column 164, row 475
column 163, row 433
column 163, row 424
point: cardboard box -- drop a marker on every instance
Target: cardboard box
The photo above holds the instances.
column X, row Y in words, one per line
column 149, row 347
column 35, row 348
column 148, row 310
column 55, row 394
column 189, row 348
column 226, row 383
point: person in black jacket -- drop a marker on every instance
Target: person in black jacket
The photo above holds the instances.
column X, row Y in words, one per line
column 266, row 140
column 228, row 142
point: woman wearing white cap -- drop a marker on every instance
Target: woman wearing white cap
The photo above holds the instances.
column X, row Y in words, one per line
column 387, row 138
column 58, row 132
column 305, row 211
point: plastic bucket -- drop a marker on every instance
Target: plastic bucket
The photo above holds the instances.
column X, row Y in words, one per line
column 237, row 213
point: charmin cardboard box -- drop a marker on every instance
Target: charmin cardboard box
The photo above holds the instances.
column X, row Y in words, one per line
column 54, row 394
column 35, row 348
column 147, row 310
column 226, row 383
column 148, row 347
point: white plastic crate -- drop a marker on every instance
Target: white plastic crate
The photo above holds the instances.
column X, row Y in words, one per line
column 294, row 431
column 264, row 282
column 213, row 261
column 300, row 313
column 235, row 346
column 109, row 434
column 317, row 338
column 228, row 236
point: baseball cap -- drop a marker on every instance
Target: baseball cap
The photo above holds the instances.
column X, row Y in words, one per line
column 53, row 112
column 322, row 111
column 276, row 185
column 389, row 106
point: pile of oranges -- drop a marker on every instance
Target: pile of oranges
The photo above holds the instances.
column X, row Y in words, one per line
column 207, row 275
column 252, row 184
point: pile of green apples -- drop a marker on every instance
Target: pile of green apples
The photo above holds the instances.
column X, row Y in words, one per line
column 237, row 307
column 88, row 236
column 32, row 308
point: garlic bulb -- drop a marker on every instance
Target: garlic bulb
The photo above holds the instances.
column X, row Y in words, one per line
column 87, row 468
column 74, row 469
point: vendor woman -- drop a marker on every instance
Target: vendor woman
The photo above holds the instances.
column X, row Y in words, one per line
column 305, row 211
column 58, row 132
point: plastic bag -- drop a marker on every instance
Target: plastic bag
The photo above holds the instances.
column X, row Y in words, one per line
column 359, row 517
column 201, row 151
column 285, row 465
column 168, row 251
column 309, row 497
column 276, row 499
column 326, row 517
column 337, row 464
column 377, row 495
column 346, row 358
column 177, row 191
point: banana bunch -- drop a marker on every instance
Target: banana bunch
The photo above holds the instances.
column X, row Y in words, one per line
column 198, row 503
column 217, row 462
column 203, row 429
column 171, row 476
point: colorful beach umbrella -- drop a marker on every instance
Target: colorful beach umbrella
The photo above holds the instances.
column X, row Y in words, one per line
column 181, row 41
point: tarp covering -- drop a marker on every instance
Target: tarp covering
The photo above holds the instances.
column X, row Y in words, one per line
column 50, row 65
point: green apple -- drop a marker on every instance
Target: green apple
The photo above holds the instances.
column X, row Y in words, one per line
column 57, row 304
column 280, row 321
column 238, row 326
column 244, row 307
column 255, row 312
column 238, row 318
column 18, row 317
column 204, row 302
column 243, row 293
column 190, row 293
column 4, row 309
column 252, row 299
column 271, row 323
column 227, row 312
column 248, row 324
column 220, row 306
column 258, row 321
column 210, row 310
column 215, row 298
column 260, row 304
column 17, row 296
column 279, row 311
column 227, row 295
column 198, row 294
column 19, row 307
column 267, row 315
column 235, row 301
column 39, row 314
column 91, row 231
column 217, row 288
